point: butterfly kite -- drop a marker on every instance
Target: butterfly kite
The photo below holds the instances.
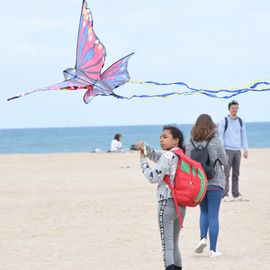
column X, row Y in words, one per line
column 90, row 58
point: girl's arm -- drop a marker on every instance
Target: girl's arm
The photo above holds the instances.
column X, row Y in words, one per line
column 152, row 154
column 221, row 154
column 161, row 169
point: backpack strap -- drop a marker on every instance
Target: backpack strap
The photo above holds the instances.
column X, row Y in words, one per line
column 217, row 160
column 167, row 180
column 240, row 121
column 193, row 144
column 208, row 142
column 226, row 124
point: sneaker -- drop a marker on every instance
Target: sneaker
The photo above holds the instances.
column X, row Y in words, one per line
column 240, row 198
column 227, row 199
column 214, row 254
column 200, row 247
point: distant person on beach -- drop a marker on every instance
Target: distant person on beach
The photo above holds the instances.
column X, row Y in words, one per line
column 116, row 145
column 203, row 136
column 232, row 133
column 171, row 138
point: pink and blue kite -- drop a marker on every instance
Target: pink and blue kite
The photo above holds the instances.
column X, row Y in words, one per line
column 90, row 58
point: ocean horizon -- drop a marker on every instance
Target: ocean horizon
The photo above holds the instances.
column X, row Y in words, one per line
column 88, row 139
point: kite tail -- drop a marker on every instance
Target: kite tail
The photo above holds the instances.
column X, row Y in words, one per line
column 252, row 85
column 27, row 93
column 13, row 98
column 221, row 93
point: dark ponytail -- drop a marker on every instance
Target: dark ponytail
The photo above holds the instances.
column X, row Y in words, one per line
column 176, row 134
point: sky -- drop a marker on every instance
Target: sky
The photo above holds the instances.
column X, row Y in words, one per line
column 207, row 44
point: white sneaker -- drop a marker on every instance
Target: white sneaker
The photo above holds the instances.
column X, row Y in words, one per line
column 214, row 254
column 200, row 247
column 227, row 199
column 240, row 198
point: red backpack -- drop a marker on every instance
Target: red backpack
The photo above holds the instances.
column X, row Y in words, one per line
column 190, row 182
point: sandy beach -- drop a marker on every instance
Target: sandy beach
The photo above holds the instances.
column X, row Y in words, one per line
column 97, row 211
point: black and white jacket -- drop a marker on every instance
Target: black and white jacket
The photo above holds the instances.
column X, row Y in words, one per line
column 166, row 165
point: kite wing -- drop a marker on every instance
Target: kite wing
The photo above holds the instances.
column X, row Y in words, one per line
column 91, row 53
column 90, row 57
column 72, row 84
column 113, row 77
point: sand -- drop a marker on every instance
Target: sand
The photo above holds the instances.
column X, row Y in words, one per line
column 97, row 211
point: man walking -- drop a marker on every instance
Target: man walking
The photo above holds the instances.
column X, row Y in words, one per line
column 232, row 133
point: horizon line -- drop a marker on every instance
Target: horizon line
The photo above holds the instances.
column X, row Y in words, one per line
column 128, row 125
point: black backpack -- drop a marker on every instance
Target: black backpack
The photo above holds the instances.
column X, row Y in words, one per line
column 200, row 153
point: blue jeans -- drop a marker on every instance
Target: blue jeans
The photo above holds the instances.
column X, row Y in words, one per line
column 209, row 214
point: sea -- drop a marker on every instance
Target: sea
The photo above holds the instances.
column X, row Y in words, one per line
column 90, row 139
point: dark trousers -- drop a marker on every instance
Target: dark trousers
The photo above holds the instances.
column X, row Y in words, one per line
column 234, row 159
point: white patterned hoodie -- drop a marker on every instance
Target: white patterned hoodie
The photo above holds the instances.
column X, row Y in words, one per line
column 166, row 165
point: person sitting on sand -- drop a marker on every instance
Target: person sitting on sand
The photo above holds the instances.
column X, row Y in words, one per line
column 232, row 133
column 171, row 138
column 116, row 145
column 203, row 134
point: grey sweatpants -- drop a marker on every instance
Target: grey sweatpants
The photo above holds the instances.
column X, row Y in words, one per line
column 169, row 226
column 234, row 159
